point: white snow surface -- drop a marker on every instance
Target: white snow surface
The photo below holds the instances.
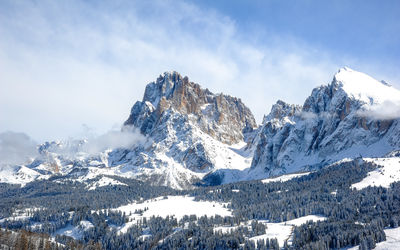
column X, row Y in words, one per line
column 176, row 206
column 365, row 88
column 104, row 181
column 392, row 241
column 387, row 173
column 281, row 231
column 19, row 175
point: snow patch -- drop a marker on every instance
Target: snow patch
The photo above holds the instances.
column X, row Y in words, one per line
column 283, row 231
column 177, row 206
column 365, row 88
column 19, row 175
column 104, row 181
column 74, row 232
column 392, row 241
column 387, row 173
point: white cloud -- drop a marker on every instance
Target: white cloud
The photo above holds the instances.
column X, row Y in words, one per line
column 126, row 138
column 387, row 110
column 16, row 148
column 307, row 115
column 65, row 63
column 90, row 143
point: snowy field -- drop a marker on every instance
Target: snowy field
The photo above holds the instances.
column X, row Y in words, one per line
column 104, row 181
column 282, row 231
column 176, row 206
column 383, row 176
column 392, row 241
column 19, row 175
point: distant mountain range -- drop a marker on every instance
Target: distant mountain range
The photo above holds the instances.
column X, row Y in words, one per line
column 191, row 136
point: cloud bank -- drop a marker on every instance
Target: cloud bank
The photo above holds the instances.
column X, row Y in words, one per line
column 125, row 138
column 19, row 148
column 16, row 148
column 90, row 143
column 387, row 110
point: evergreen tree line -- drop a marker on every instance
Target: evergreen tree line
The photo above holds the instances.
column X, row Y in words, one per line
column 354, row 217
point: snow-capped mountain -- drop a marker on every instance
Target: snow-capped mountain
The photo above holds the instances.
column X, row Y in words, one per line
column 185, row 135
column 188, row 132
column 354, row 115
column 223, row 117
column 193, row 132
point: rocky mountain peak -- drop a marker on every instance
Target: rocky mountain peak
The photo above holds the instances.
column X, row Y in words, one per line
column 221, row 116
column 332, row 122
column 349, row 92
column 280, row 110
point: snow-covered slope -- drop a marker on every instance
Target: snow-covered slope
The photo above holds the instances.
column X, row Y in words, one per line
column 19, row 175
column 167, row 206
column 388, row 171
column 338, row 120
column 283, row 231
column 392, row 241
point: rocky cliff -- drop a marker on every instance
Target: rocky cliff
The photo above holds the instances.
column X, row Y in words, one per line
column 223, row 117
column 193, row 132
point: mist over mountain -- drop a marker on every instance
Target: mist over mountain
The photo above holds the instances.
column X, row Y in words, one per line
column 16, row 148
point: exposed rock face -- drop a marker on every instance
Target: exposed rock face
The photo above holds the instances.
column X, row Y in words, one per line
column 332, row 124
column 191, row 129
column 223, row 117
column 280, row 110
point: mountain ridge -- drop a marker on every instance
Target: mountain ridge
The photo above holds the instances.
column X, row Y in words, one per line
column 190, row 135
column 330, row 120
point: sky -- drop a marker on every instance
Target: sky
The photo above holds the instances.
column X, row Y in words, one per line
column 68, row 68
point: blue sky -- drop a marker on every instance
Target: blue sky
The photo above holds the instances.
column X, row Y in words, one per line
column 67, row 67
column 367, row 30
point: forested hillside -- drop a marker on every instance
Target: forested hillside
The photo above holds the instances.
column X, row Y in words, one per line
column 350, row 217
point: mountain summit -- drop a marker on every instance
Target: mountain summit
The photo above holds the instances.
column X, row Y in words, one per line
column 193, row 132
column 223, row 117
column 336, row 121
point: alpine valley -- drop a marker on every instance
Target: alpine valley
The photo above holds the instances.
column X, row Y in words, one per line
column 198, row 172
